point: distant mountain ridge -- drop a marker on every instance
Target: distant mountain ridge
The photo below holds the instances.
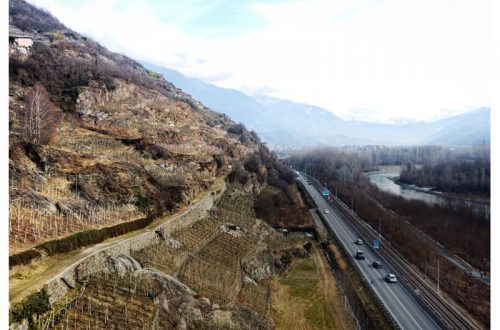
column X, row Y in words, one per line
column 283, row 123
column 471, row 128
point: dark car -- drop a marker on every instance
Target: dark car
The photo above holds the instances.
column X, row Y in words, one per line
column 377, row 264
column 360, row 255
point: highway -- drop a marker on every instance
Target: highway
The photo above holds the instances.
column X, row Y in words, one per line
column 400, row 303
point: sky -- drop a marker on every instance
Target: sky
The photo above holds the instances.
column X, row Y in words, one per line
column 375, row 60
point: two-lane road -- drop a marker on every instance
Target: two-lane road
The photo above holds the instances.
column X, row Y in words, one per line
column 400, row 303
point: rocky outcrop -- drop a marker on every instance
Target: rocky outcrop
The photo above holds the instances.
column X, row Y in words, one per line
column 122, row 264
column 192, row 312
column 261, row 265
column 179, row 303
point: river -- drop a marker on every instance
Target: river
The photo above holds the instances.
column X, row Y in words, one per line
column 385, row 180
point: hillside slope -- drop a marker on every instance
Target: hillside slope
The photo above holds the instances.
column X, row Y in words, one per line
column 101, row 148
column 233, row 103
column 287, row 124
column 278, row 122
column 97, row 140
column 472, row 128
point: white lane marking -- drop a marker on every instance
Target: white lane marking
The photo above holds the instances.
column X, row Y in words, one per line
column 409, row 314
column 340, row 227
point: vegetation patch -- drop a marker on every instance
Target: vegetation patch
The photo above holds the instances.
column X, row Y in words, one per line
column 299, row 287
column 93, row 236
column 301, row 278
column 23, row 258
column 35, row 304
column 142, row 202
column 319, row 314
column 56, row 36
column 298, row 300
column 282, row 207
column 305, row 266
column 153, row 74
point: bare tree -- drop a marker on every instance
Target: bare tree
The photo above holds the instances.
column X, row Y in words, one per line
column 40, row 116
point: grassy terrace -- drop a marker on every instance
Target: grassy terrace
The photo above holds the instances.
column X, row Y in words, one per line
column 305, row 297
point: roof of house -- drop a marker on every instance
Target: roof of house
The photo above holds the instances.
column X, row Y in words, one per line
column 20, row 36
column 16, row 33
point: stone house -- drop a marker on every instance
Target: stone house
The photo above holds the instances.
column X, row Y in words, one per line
column 20, row 43
column 23, row 41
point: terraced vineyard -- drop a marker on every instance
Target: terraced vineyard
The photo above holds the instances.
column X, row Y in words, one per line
column 215, row 282
column 102, row 153
column 226, row 250
column 33, row 223
column 66, row 199
column 102, row 302
column 238, row 202
column 207, row 258
column 96, row 145
column 208, row 255
column 256, row 297
column 161, row 256
column 194, row 237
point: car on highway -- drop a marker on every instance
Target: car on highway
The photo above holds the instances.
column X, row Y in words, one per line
column 360, row 255
column 377, row 264
column 391, row 278
column 359, row 241
column 326, row 211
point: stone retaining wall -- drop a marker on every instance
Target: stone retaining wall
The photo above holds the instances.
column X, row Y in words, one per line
column 57, row 288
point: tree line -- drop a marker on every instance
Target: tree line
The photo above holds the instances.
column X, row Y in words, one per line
column 457, row 175
column 458, row 170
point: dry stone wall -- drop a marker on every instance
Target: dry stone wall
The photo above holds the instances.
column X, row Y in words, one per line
column 96, row 262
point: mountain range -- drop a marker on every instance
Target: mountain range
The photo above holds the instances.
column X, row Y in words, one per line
column 287, row 124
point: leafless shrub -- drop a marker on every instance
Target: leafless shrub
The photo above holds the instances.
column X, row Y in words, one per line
column 39, row 118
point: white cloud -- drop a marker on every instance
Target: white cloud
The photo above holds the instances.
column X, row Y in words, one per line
column 397, row 59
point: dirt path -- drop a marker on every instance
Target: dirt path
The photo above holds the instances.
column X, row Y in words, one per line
column 24, row 280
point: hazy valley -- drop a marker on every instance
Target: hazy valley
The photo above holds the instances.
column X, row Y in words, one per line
column 287, row 125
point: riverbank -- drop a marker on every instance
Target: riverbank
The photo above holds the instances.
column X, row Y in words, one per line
column 387, row 179
column 464, row 197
